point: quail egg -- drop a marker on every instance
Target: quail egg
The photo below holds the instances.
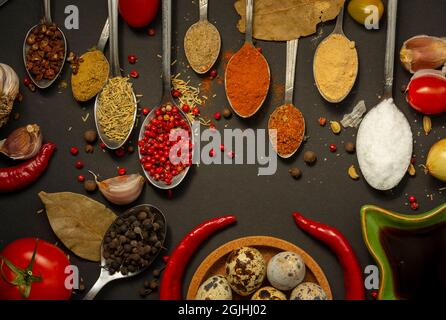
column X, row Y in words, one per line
column 286, row 270
column 268, row 293
column 308, row 291
column 245, row 270
column 214, row 288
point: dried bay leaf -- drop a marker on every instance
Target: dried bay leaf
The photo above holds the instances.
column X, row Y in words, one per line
column 287, row 19
column 78, row 221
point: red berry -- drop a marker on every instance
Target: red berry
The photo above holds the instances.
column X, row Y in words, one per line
column 134, row 74
column 322, row 121
column 145, row 111
column 122, row 171
column 74, row 151
column 132, row 59
column 213, row 73
column 259, row 49
column 412, row 199
column 185, row 108
column 217, row 116
column 196, row 111
column 176, row 93
column 212, row 153
column 102, row 146
column 79, row 165
column 120, row 152
column 26, row 81
column 333, row 147
column 151, row 32
column 374, row 294
column 166, row 258
column 414, row 206
column 231, row 154
column 222, row 147
column 81, row 178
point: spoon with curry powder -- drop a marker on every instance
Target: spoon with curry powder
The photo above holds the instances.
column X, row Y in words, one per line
column 247, row 76
column 286, row 125
column 202, row 42
column 115, row 107
column 335, row 65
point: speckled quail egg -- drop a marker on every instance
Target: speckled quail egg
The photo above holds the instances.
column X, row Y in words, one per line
column 308, row 291
column 214, row 288
column 245, row 270
column 268, row 293
column 286, row 270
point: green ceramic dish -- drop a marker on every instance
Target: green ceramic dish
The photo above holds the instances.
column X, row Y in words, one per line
column 374, row 219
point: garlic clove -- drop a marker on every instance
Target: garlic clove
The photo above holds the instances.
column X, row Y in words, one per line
column 9, row 89
column 23, row 143
column 423, row 52
column 121, row 190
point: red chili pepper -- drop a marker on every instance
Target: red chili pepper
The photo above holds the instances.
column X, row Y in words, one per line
column 335, row 240
column 21, row 176
column 172, row 280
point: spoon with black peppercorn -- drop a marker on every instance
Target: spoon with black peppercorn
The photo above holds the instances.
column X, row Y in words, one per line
column 56, row 56
column 130, row 245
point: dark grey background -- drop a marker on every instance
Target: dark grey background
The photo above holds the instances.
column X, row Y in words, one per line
column 263, row 205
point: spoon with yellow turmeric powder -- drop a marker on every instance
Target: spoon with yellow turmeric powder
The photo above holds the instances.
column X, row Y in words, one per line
column 88, row 79
column 335, row 65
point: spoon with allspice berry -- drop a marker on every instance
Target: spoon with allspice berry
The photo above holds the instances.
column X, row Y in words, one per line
column 286, row 125
column 130, row 245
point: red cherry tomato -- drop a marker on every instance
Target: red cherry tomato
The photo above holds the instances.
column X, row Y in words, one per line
column 45, row 276
column 138, row 13
column 427, row 94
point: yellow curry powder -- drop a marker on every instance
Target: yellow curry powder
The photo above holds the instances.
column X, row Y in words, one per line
column 336, row 67
column 91, row 77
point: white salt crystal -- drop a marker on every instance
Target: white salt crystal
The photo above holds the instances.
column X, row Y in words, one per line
column 384, row 146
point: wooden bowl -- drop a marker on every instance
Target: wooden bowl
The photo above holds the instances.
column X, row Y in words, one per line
column 214, row 264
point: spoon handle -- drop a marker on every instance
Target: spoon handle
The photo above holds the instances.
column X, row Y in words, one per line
column 114, row 47
column 291, row 58
column 47, row 10
column 100, row 283
column 105, row 34
column 167, row 43
column 340, row 22
column 249, row 20
column 390, row 48
column 203, row 10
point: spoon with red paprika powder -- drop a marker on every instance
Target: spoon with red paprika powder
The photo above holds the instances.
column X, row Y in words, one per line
column 247, row 76
column 286, row 125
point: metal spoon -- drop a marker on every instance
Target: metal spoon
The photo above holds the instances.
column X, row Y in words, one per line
column 292, row 47
column 337, row 30
column 203, row 5
column 44, row 83
column 105, row 276
column 2, row 2
column 115, row 72
column 248, row 40
column 167, row 95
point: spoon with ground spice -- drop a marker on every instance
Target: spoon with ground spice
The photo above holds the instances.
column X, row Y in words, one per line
column 46, row 39
column 91, row 72
column 286, row 125
column 115, row 107
column 247, row 76
column 162, row 119
column 335, row 64
column 202, row 42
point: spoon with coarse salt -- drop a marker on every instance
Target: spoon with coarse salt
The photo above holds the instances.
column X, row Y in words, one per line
column 385, row 140
column 202, row 42
column 287, row 114
column 247, row 55
column 328, row 80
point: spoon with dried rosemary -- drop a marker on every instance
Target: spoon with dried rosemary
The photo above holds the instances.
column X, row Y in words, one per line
column 115, row 108
column 202, row 42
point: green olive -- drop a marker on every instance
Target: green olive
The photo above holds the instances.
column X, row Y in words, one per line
column 357, row 9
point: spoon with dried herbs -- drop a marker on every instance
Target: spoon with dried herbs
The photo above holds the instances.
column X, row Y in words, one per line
column 44, row 50
column 164, row 121
column 247, row 76
column 335, row 64
column 131, row 245
column 115, row 108
column 202, row 42
column 286, row 125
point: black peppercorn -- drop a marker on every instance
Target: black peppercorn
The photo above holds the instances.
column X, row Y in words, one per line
column 295, row 173
column 310, row 157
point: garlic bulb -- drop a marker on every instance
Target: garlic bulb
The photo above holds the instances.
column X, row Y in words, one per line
column 9, row 89
column 23, row 143
column 423, row 52
column 121, row 190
